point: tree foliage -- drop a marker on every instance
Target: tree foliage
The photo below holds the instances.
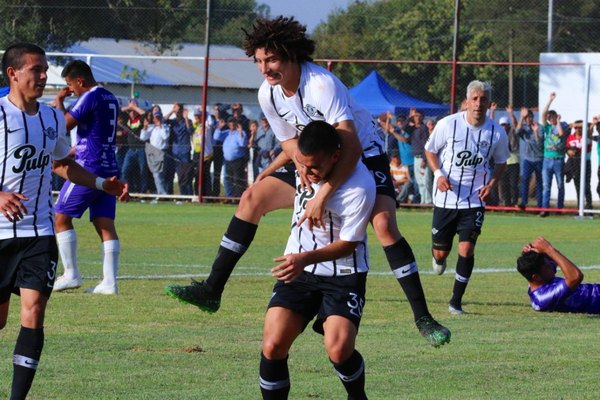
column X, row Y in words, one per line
column 164, row 24
column 394, row 30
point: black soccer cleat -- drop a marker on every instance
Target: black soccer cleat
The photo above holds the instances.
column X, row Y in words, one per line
column 435, row 333
column 197, row 294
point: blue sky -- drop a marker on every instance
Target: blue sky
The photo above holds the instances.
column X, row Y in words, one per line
column 308, row 12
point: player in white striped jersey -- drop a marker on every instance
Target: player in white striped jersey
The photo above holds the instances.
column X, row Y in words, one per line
column 32, row 145
column 294, row 93
column 467, row 152
column 323, row 272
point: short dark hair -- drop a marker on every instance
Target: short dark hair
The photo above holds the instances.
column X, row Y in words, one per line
column 317, row 137
column 283, row 36
column 77, row 69
column 530, row 263
column 13, row 56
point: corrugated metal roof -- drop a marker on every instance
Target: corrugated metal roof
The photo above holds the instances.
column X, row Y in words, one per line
column 236, row 72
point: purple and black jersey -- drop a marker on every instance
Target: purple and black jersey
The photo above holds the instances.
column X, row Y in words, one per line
column 96, row 113
column 557, row 296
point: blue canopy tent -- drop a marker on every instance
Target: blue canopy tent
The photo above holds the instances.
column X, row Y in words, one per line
column 4, row 91
column 377, row 96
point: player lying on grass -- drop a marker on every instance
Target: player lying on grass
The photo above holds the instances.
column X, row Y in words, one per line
column 548, row 292
column 324, row 270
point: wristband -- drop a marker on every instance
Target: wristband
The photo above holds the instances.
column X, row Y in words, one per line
column 437, row 173
column 99, row 182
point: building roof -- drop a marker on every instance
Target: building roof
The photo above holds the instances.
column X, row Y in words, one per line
column 229, row 66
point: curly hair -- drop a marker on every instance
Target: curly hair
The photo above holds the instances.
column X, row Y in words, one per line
column 283, row 36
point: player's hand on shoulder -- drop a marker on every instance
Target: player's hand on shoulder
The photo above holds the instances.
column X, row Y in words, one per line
column 12, row 207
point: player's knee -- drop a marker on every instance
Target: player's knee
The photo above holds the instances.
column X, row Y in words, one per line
column 273, row 349
column 385, row 228
column 339, row 351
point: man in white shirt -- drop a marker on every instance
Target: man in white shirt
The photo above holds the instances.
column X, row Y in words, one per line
column 460, row 151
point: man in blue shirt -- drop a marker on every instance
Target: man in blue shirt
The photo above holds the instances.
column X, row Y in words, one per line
column 548, row 292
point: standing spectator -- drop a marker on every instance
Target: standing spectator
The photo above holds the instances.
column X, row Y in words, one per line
column 401, row 178
column 595, row 128
column 219, row 135
column 573, row 166
column 263, row 143
column 531, row 147
column 419, row 133
column 270, row 146
column 156, row 135
column 134, row 164
column 427, row 194
column 237, row 111
column 403, row 139
column 385, row 130
column 323, row 272
column 202, row 143
column 122, row 146
column 509, row 184
column 182, row 129
column 235, row 153
column 555, row 140
column 27, row 243
column 94, row 114
column 459, row 152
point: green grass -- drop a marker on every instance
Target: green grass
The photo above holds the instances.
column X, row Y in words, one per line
column 142, row 344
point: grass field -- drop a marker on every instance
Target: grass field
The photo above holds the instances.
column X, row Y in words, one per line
column 142, row 344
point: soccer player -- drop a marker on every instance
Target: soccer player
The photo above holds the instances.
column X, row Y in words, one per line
column 32, row 141
column 95, row 116
column 294, row 93
column 548, row 292
column 324, row 270
column 460, row 151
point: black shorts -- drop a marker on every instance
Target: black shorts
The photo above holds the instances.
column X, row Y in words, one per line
column 312, row 295
column 447, row 222
column 378, row 165
column 287, row 173
column 28, row 263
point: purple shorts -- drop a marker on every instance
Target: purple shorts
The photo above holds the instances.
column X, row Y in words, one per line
column 74, row 199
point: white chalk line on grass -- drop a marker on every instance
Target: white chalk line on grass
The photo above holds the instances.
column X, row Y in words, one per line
column 254, row 271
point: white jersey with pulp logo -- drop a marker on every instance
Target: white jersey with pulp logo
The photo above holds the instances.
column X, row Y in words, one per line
column 28, row 145
column 346, row 217
column 466, row 153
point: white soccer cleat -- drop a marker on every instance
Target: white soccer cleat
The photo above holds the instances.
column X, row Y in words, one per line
column 63, row 283
column 103, row 289
column 456, row 311
column 438, row 268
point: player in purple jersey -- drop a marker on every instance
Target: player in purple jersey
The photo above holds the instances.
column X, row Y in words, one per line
column 95, row 116
column 549, row 293
column 32, row 141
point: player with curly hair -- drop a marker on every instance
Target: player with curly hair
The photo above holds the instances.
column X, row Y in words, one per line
column 294, row 93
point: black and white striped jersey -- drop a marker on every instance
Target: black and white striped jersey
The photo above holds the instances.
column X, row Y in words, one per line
column 347, row 215
column 466, row 153
column 28, row 145
column 321, row 96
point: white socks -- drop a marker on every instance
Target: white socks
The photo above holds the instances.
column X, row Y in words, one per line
column 110, row 265
column 67, row 247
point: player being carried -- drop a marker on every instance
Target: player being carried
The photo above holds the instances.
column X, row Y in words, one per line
column 294, row 93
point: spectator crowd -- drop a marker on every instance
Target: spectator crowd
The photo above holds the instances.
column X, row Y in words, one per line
column 156, row 149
